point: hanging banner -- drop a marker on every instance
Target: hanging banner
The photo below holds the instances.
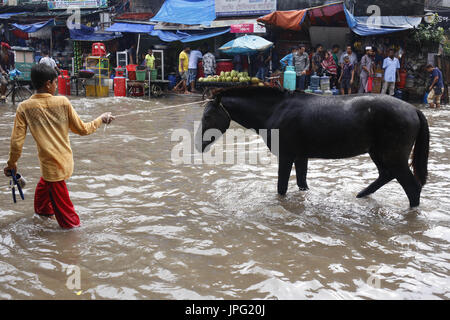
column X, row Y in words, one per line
column 82, row 4
column 226, row 8
column 247, row 28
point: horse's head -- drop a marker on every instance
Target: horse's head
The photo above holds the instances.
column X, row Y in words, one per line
column 215, row 122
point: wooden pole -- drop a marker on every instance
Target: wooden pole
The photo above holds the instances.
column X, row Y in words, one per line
column 137, row 49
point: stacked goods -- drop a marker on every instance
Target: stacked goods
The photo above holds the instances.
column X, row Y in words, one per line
column 231, row 77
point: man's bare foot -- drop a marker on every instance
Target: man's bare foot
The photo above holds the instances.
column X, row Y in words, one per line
column 47, row 217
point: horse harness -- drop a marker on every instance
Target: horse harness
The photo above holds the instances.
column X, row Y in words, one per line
column 226, row 111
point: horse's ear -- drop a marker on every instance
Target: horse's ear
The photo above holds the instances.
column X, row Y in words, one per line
column 218, row 99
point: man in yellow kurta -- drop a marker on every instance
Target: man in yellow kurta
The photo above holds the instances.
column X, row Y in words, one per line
column 183, row 66
column 49, row 119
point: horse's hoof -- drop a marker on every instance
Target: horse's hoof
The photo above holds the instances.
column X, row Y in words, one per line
column 303, row 188
column 362, row 194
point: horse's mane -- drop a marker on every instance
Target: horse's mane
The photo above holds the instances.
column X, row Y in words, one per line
column 246, row 91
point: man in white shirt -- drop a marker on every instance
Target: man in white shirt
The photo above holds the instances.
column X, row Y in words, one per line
column 193, row 65
column 391, row 66
column 49, row 61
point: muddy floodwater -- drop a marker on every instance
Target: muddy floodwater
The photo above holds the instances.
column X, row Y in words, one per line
column 156, row 229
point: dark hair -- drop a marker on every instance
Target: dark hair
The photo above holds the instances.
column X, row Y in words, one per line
column 40, row 74
column 293, row 48
column 429, row 66
column 302, row 46
column 336, row 46
column 318, row 46
column 392, row 50
column 45, row 52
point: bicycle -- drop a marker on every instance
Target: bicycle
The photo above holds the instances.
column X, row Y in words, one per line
column 17, row 91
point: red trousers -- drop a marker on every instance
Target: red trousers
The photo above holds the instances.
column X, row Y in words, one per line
column 52, row 198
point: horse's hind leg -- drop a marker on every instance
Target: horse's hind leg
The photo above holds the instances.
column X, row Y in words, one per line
column 374, row 187
column 409, row 183
column 301, row 169
column 384, row 178
column 284, row 173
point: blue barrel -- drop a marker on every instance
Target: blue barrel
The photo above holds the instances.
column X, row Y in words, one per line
column 398, row 94
column 290, row 78
column 315, row 81
column 172, row 81
column 335, row 92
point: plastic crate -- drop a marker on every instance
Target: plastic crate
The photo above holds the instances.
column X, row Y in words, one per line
column 140, row 75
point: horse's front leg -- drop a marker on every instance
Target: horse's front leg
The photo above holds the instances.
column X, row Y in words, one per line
column 301, row 169
column 284, row 172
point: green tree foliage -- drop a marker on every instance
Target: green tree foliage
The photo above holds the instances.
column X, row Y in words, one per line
column 430, row 34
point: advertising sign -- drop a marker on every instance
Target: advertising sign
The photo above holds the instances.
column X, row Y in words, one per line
column 82, row 4
column 247, row 28
column 226, row 8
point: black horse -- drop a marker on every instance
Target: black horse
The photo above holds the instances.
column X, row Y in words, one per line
column 330, row 127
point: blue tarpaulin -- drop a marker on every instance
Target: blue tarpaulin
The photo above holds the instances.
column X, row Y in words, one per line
column 168, row 36
column 190, row 12
column 130, row 27
column 9, row 15
column 88, row 34
column 34, row 27
column 188, row 36
column 369, row 26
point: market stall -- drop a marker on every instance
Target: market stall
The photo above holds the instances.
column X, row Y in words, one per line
column 246, row 45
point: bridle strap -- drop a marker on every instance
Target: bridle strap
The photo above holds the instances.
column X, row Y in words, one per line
column 226, row 111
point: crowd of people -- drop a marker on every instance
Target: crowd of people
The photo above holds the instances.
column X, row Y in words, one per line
column 188, row 62
column 344, row 69
column 347, row 72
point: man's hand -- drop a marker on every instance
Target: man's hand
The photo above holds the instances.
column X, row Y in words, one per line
column 107, row 117
column 7, row 170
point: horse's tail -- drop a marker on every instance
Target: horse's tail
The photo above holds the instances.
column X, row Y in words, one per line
column 421, row 150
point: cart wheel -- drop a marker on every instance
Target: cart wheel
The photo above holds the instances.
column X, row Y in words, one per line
column 20, row 94
column 156, row 90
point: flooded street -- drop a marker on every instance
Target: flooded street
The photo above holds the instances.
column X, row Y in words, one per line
column 155, row 229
